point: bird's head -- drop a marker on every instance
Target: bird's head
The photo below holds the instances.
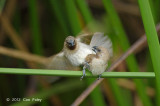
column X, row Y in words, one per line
column 70, row 43
column 101, row 52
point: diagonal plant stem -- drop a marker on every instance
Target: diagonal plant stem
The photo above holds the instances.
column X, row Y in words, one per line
column 120, row 6
column 96, row 96
column 27, row 57
column 124, row 43
column 12, row 33
column 107, row 91
column 132, row 49
column 23, row 55
column 55, row 89
column 43, row 60
column 17, row 41
column 141, row 43
column 129, row 8
column 8, row 11
column 131, row 86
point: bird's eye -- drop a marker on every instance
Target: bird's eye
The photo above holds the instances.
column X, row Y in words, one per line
column 98, row 50
column 68, row 42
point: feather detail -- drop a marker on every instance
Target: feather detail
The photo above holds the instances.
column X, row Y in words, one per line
column 84, row 38
column 99, row 39
column 60, row 62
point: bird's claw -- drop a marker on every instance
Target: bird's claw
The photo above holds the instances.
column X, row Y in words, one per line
column 84, row 73
column 82, row 77
column 86, row 65
column 99, row 76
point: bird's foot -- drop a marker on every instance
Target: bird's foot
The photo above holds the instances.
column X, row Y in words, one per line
column 99, row 76
column 85, row 65
column 84, row 72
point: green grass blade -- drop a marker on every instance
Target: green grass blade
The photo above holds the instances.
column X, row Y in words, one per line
column 117, row 93
column 35, row 27
column 152, row 39
column 73, row 16
column 151, row 82
column 157, row 5
column 96, row 95
column 75, row 26
column 55, row 89
column 66, row 73
column 131, row 61
column 5, row 86
column 87, row 16
column 85, row 11
column 154, row 5
column 92, row 26
column 59, row 15
column 91, row 22
column 153, row 9
column 45, row 103
column 2, row 3
column 21, row 85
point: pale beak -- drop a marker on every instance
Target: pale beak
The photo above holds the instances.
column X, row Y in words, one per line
column 71, row 43
column 95, row 49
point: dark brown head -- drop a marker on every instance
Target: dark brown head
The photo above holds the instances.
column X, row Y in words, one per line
column 70, row 43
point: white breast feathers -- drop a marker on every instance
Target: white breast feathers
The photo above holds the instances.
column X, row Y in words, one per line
column 78, row 57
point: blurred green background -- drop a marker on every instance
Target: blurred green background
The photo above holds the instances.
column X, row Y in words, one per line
column 40, row 27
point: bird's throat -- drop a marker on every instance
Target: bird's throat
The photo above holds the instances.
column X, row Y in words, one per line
column 71, row 47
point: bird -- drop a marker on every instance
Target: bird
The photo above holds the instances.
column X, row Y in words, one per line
column 97, row 63
column 77, row 50
column 73, row 54
column 64, row 60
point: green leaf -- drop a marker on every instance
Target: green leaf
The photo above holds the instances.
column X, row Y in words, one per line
column 66, row 73
column 153, row 41
column 131, row 60
column 55, row 89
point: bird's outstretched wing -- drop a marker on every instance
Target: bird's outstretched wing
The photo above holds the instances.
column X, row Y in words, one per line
column 59, row 62
column 99, row 39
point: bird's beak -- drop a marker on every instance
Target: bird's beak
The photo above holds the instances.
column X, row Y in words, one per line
column 95, row 49
column 71, row 43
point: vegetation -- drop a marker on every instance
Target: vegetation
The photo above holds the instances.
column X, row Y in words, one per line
column 32, row 31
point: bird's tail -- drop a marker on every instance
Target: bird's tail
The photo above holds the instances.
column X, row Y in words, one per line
column 99, row 39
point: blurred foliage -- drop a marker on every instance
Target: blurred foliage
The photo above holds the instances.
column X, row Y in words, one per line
column 43, row 25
